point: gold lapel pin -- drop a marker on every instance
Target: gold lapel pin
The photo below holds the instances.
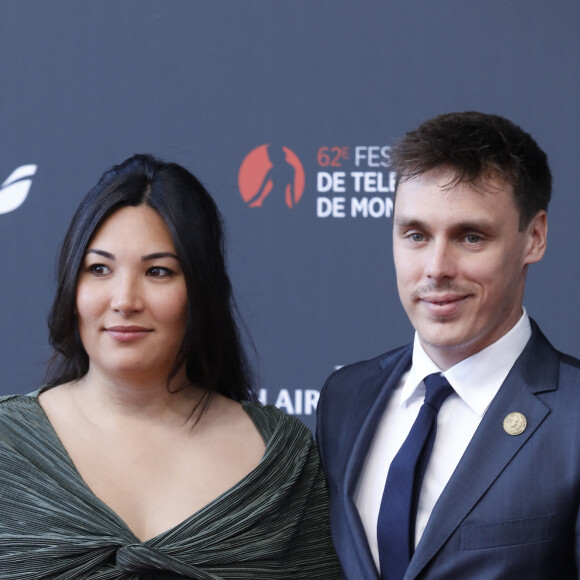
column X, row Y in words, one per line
column 515, row 424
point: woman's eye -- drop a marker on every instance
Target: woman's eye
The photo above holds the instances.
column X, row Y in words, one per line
column 99, row 269
column 159, row 272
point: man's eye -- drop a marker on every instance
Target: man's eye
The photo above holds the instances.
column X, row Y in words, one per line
column 472, row 239
column 417, row 237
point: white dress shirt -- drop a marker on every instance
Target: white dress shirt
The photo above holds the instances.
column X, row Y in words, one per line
column 475, row 380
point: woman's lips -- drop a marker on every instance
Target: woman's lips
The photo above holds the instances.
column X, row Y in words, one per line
column 127, row 333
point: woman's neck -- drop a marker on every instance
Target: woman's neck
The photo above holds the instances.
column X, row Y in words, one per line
column 137, row 398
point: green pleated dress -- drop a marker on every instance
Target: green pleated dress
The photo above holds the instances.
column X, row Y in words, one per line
column 273, row 524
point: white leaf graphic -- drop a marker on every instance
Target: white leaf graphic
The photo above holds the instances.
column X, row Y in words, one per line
column 15, row 188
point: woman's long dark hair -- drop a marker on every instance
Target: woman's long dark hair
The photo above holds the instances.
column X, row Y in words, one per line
column 211, row 349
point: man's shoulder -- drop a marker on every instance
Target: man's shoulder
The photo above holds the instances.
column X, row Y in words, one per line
column 350, row 393
column 375, row 364
column 569, row 369
column 351, row 375
column 540, row 351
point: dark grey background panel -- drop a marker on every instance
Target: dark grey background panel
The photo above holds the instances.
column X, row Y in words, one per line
column 204, row 83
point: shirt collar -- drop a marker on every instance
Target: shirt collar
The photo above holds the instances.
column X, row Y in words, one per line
column 476, row 379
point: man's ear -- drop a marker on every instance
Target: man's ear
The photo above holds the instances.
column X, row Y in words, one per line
column 537, row 234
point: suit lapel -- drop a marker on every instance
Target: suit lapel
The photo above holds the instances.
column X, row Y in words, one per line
column 491, row 448
column 375, row 391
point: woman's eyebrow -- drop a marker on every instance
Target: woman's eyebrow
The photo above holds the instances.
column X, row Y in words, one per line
column 101, row 253
column 146, row 258
column 157, row 255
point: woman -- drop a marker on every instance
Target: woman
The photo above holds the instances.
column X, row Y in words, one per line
column 145, row 456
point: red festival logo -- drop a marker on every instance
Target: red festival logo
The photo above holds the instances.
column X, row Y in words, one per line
column 270, row 170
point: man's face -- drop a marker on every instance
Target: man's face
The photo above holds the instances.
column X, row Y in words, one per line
column 461, row 262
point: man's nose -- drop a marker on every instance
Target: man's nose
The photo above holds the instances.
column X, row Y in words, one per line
column 441, row 260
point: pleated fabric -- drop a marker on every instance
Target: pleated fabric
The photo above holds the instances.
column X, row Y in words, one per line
column 273, row 524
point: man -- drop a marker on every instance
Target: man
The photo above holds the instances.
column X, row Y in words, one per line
column 500, row 493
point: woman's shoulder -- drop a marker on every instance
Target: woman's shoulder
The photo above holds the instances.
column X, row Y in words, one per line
column 19, row 413
column 9, row 403
column 18, row 400
column 269, row 420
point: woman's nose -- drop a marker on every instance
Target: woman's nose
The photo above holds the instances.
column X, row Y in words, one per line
column 126, row 296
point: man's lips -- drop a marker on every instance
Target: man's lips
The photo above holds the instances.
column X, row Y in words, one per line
column 127, row 333
column 443, row 305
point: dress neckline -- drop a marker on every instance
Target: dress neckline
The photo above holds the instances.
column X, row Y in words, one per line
column 248, row 406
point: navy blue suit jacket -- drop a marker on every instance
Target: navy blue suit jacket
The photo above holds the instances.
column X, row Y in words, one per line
column 510, row 509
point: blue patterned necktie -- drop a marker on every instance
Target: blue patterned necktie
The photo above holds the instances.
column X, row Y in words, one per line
column 396, row 523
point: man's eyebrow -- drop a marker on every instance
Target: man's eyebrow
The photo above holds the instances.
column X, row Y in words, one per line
column 409, row 222
column 157, row 255
column 476, row 225
column 459, row 226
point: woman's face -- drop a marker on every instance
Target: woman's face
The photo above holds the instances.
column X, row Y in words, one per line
column 131, row 298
